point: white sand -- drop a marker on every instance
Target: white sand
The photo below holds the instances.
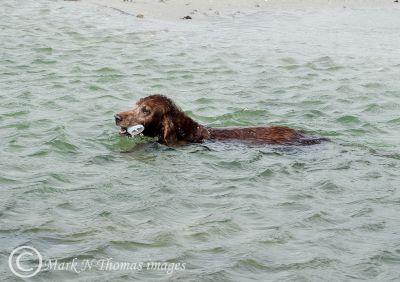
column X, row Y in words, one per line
column 202, row 9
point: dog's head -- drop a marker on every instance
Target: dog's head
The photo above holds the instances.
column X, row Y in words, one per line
column 155, row 113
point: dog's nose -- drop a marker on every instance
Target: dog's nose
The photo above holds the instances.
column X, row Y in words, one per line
column 118, row 118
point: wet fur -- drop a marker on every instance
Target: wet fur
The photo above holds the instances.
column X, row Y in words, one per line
column 163, row 119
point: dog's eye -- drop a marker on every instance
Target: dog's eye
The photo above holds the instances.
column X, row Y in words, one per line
column 145, row 111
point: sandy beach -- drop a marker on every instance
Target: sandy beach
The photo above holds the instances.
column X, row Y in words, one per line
column 202, row 9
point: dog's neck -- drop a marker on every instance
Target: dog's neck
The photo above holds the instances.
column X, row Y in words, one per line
column 188, row 130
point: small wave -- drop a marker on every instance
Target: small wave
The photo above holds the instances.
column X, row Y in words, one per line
column 348, row 119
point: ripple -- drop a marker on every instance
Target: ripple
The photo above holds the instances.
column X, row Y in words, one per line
column 62, row 146
column 386, row 256
column 372, row 85
column 373, row 226
column 320, row 218
column 329, row 187
column 107, row 70
column 44, row 62
column 132, row 245
column 348, row 120
column 266, row 173
column 251, row 265
column 45, row 50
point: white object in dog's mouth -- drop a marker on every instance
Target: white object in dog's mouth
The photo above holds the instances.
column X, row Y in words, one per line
column 135, row 129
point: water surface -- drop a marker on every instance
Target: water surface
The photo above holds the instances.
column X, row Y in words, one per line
column 72, row 188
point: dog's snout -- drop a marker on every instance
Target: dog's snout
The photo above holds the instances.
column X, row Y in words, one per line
column 118, row 118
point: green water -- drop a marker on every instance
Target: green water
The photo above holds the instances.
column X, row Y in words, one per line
column 73, row 188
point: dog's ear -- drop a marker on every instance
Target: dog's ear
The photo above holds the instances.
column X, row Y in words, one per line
column 169, row 132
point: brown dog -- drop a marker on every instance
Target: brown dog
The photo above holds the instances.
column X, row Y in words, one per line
column 163, row 119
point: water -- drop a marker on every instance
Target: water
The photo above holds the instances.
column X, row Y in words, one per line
column 72, row 188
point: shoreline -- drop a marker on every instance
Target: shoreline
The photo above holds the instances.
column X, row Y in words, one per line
column 203, row 9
